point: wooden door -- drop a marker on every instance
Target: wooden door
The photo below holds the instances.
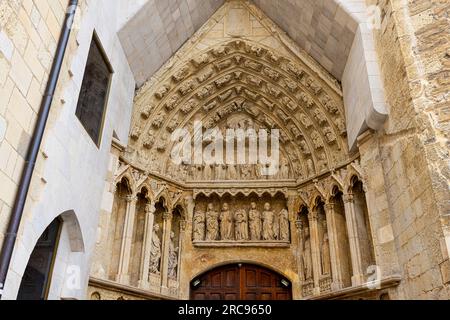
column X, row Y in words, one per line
column 240, row 282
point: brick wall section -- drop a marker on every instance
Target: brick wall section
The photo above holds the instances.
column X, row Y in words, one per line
column 414, row 145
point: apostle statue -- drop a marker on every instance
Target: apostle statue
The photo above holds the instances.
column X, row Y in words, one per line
column 306, row 255
column 199, row 226
column 283, row 223
column 254, row 217
column 241, row 225
column 173, row 258
column 155, row 252
column 326, row 263
column 268, row 221
column 212, row 223
column 226, row 223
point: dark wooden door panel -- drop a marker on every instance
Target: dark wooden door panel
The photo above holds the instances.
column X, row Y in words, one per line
column 240, row 282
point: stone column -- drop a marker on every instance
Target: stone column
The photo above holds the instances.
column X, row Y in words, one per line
column 299, row 227
column 180, row 247
column 147, row 245
column 127, row 238
column 355, row 250
column 167, row 228
column 336, row 271
column 315, row 250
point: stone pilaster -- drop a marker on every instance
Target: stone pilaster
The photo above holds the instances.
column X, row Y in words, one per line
column 355, row 250
column 127, row 238
column 167, row 228
column 147, row 245
column 315, row 250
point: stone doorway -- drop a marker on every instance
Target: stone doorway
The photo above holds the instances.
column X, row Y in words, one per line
column 240, row 282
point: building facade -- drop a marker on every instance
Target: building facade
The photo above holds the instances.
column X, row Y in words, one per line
column 357, row 207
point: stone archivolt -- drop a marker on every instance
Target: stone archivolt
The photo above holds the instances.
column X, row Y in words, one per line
column 312, row 212
column 241, row 79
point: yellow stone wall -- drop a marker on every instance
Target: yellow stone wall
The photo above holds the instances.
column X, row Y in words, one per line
column 409, row 158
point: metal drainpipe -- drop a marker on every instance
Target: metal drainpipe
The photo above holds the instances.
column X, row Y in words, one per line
column 33, row 149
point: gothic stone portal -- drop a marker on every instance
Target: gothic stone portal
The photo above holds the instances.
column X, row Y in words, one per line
column 240, row 282
column 172, row 220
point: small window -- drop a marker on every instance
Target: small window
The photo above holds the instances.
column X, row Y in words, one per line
column 94, row 91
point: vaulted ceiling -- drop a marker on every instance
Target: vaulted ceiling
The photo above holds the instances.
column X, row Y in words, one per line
column 323, row 28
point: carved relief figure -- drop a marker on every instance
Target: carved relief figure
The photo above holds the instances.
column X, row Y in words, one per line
column 199, row 226
column 212, row 223
column 173, row 258
column 241, row 225
column 155, row 252
column 226, row 223
column 254, row 217
column 284, row 169
column 326, row 263
column 220, row 172
column 268, row 222
column 231, row 172
column 207, row 172
column 283, row 221
column 306, row 256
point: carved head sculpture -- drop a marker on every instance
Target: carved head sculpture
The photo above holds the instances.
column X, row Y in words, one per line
column 210, row 207
column 156, row 228
column 253, row 205
column 172, row 235
column 225, row 207
column 267, row 206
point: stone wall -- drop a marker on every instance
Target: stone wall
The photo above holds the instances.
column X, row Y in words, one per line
column 412, row 148
column 71, row 169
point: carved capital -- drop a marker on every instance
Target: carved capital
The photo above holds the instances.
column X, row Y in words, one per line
column 348, row 198
column 150, row 208
column 313, row 216
column 329, row 207
column 130, row 198
column 167, row 216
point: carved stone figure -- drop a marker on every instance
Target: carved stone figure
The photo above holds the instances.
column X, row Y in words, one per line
column 212, row 223
column 173, row 258
column 197, row 172
column 231, row 172
column 207, row 172
column 246, row 172
column 306, row 255
column 241, row 225
column 199, row 226
column 226, row 223
column 310, row 167
column 284, row 169
column 254, row 217
column 155, row 251
column 326, row 261
column 283, row 222
column 220, row 171
column 268, row 222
